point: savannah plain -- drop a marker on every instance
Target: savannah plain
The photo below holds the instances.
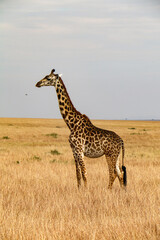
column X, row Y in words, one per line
column 39, row 199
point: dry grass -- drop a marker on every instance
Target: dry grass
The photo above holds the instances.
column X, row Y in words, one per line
column 38, row 190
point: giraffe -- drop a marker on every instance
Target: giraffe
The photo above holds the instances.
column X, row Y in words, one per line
column 86, row 139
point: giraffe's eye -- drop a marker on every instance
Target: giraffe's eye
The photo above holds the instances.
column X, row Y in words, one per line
column 47, row 77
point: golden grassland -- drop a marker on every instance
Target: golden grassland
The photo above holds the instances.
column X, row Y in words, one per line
column 39, row 198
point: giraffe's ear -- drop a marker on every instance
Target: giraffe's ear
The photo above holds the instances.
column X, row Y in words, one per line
column 60, row 75
column 53, row 70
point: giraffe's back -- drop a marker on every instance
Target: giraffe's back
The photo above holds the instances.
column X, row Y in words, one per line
column 100, row 141
column 95, row 141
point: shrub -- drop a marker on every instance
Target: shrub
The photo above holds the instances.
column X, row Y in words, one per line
column 55, row 152
column 54, row 135
column 5, row 137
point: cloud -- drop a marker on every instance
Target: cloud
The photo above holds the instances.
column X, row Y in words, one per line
column 87, row 24
column 4, row 26
column 120, row 38
column 69, row 14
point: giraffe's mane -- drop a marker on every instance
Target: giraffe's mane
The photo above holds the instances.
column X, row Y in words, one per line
column 60, row 79
column 87, row 118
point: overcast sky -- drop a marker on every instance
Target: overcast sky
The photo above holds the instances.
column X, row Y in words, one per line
column 107, row 50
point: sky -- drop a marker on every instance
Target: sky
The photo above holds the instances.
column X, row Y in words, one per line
column 107, row 50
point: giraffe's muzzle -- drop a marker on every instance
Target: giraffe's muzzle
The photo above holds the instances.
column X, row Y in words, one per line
column 38, row 84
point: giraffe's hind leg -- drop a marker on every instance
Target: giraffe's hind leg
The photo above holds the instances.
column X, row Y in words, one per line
column 119, row 173
column 112, row 170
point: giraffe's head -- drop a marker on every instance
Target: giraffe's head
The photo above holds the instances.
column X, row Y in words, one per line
column 49, row 80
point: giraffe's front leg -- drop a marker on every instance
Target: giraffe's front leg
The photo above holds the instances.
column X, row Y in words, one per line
column 78, row 157
column 78, row 172
column 80, row 166
column 83, row 169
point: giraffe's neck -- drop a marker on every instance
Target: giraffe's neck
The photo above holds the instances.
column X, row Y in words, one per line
column 70, row 115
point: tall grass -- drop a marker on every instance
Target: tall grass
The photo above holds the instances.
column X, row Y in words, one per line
column 39, row 198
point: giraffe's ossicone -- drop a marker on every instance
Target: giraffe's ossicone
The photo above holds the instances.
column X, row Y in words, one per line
column 85, row 138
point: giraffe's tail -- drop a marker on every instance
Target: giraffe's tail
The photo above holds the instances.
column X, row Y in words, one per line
column 123, row 167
